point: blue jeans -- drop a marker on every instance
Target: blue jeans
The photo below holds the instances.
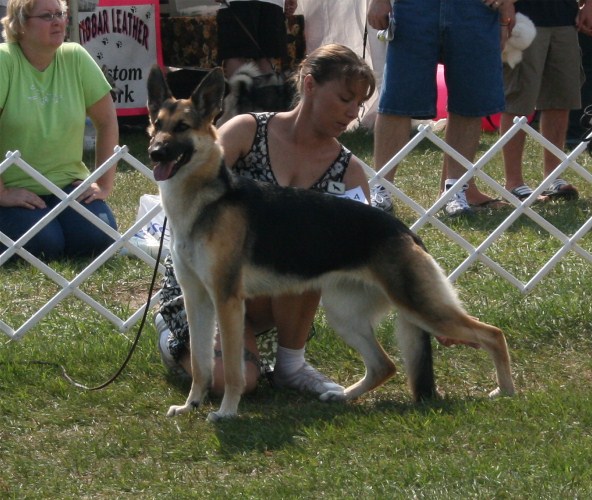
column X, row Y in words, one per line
column 463, row 35
column 67, row 235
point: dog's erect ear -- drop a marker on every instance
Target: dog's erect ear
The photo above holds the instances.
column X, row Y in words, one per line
column 209, row 94
column 158, row 91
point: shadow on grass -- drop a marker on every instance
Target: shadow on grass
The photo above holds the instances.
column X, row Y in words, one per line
column 271, row 420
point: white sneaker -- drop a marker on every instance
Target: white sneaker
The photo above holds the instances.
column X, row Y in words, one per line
column 380, row 197
column 458, row 205
column 163, row 344
column 306, row 378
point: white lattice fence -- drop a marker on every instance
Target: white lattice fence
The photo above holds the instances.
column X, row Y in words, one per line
column 72, row 287
column 569, row 243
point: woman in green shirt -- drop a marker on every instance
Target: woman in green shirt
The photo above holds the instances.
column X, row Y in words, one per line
column 47, row 88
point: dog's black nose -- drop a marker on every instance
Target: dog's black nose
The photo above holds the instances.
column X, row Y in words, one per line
column 158, row 152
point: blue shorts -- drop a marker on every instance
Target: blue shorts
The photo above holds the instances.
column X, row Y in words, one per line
column 463, row 35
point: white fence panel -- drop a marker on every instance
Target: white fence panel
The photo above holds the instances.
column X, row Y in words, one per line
column 72, row 287
column 425, row 216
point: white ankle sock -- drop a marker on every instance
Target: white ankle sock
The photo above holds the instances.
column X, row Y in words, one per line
column 290, row 360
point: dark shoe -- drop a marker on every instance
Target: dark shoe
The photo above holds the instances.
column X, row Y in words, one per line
column 560, row 189
column 524, row 191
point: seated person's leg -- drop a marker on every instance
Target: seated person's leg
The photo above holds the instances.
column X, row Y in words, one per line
column 173, row 331
column 175, row 354
column 83, row 238
column 293, row 316
column 47, row 243
column 252, row 369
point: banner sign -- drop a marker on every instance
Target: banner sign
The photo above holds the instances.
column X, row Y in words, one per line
column 124, row 39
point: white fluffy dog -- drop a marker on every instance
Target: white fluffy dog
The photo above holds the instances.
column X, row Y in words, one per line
column 522, row 36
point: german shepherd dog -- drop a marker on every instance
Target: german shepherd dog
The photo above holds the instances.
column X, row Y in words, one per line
column 234, row 238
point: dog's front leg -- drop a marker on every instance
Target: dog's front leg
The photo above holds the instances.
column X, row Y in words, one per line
column 200, row 317
column 231, row 320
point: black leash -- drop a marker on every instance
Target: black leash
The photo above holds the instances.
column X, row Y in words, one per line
column 134, row 344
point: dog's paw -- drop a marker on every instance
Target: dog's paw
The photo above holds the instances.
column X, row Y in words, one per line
column 496, row 393
column 333, row 396
column 217, row 416
column 179, row 410
column 499, row 392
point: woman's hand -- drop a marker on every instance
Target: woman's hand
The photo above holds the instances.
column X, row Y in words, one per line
column 378, row 14
column 20, row 197
column 584, row 18
column 92, row 193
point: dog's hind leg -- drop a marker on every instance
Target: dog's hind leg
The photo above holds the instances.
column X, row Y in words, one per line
column 416, row 350
column 231, row 319
column 460, row 326
column 353, row 311
column 493, row 341
column 427, row 300
column 200, row 317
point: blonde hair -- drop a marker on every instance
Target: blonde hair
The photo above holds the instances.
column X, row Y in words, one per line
column 335, row 62
column 16, row 17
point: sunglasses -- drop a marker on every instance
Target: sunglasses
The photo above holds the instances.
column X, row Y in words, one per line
column 50, row 17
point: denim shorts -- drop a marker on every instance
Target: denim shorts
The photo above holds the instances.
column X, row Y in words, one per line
column 463, row 35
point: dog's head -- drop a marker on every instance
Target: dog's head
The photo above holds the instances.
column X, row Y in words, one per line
column 182, row 129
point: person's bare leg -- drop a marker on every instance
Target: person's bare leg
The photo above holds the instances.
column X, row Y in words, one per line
column 554, row 124
column 293, row 316
column 463, row 134
column 252, row 372
column 391, row 133
column 512, row 153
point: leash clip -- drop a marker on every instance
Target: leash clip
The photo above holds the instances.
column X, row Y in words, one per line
column 388, row 34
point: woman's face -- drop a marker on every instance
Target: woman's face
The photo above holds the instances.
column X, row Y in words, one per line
column 336, row 104
column 44, row 31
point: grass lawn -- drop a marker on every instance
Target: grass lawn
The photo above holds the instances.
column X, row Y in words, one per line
column 57, row 441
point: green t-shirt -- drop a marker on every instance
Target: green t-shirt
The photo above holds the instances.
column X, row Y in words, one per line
column 44, row 112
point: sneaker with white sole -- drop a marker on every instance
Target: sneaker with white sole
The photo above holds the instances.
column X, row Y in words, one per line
column 381, row 198
column 458, row 204
column 163, row 347
column 306, row 378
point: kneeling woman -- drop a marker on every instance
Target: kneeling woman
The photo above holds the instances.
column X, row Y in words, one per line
column 297, row 148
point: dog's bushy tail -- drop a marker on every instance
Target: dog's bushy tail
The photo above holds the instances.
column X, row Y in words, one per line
column 416, row 349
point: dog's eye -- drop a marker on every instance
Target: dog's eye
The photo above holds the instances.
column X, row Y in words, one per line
column 181, row 127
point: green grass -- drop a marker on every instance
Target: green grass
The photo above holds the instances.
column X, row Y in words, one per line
column 57, row 441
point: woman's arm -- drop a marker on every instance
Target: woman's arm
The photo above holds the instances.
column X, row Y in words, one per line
column 236, row 137
column 104, row 118
column 19, row 197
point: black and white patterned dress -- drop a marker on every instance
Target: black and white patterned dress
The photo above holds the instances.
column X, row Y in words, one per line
column 254, row 165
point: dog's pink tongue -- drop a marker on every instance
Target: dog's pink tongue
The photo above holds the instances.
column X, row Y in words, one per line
column 162, row 171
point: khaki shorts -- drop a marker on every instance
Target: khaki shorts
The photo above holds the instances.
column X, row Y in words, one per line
column 550, row 75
